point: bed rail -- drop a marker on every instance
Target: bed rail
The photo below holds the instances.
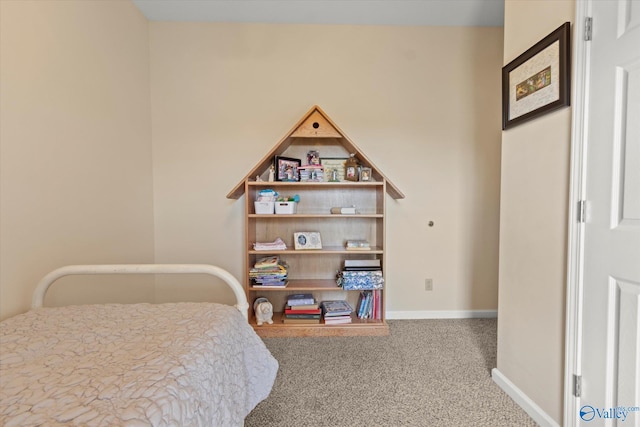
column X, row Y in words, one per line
column 70, row 270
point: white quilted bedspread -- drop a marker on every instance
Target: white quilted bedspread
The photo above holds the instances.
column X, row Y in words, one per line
column 178, row 364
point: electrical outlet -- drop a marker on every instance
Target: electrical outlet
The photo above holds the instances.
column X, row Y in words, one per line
column 428, row 284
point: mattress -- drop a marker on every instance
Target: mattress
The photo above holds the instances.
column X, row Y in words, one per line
column 176, row 364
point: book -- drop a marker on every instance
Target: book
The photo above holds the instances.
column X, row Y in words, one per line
column 364, row 297
column 304, row 307
column 302, row 316
column 370, row 305
column 337, row 320
column 267, row 262
column 336, row 308
column 286, row 320
column 300, row 299
column 275, row 285
column 297, row 310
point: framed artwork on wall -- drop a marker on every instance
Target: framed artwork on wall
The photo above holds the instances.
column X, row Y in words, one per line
column 539, row 80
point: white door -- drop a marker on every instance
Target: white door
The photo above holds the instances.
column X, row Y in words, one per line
column 611, row 277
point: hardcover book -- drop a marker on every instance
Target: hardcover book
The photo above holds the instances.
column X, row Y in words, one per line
column 286, row 320
column 336, row 308
column 300, row 299
column 302, row 316
column 297, row 310
column 337, row 320
column 267, row 262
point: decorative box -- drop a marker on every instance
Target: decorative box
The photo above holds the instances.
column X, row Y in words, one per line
column 360, row 280
column 286, row 207
column 264, row 207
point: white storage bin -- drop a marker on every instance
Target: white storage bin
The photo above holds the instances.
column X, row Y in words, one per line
column 264, row 207
column 286, row 207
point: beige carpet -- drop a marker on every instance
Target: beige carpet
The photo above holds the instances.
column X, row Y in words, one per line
column 426, row 373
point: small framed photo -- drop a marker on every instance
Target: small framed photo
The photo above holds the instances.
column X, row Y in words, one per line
column 307, row 240
column 365, row 174
column 351, row 172
column 313, row 157
column 286, row 168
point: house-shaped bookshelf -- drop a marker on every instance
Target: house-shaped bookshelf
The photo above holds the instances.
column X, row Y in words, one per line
column 313, row 269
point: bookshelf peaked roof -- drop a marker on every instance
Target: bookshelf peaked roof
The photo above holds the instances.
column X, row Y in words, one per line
column 314, row 124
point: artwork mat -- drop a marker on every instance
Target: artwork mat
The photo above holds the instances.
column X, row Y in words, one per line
column 554, row 51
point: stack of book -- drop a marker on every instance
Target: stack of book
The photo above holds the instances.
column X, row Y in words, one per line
column 370, row 305
column 311, row 173
column 336, row 312
column 301, row 308
column 269, row 272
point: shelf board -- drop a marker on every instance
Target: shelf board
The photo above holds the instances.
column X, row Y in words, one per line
column 301, row 215
column 325, row 250
column 267, row 184
column 358, row 327
column 305, row 285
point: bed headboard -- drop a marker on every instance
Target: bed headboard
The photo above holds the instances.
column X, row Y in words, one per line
column 70, row 270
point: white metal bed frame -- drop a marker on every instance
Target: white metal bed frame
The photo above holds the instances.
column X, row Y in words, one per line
column 241, row 299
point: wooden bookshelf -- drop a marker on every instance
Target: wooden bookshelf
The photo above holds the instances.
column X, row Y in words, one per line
column 314, row 271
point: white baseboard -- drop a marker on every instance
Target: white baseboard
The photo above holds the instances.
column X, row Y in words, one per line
column 529, row 406
column 445, row 314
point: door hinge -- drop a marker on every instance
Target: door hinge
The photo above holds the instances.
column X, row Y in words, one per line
column 588, row 27
column 577, row 385
column 582, row 211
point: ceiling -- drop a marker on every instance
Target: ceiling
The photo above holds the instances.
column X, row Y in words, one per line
column 356, row 12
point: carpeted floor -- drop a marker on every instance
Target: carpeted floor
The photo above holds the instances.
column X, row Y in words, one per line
column 426, row 373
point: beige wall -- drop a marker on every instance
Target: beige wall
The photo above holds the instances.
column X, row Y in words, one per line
column 77, row 177
column 533, row 227
column 423, row 103
column 75, row 141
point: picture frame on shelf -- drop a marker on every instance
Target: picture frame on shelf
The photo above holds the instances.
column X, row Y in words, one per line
column 539, row 80
column 365, row 174
column 334, row 168
column 307, row 240
column 286, row 168
column 313, row 157
column 352, row 169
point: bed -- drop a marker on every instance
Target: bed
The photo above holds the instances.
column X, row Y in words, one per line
column 173, row 364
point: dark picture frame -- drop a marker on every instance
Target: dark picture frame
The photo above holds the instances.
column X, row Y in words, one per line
column 286, row 168
column 539, row 80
